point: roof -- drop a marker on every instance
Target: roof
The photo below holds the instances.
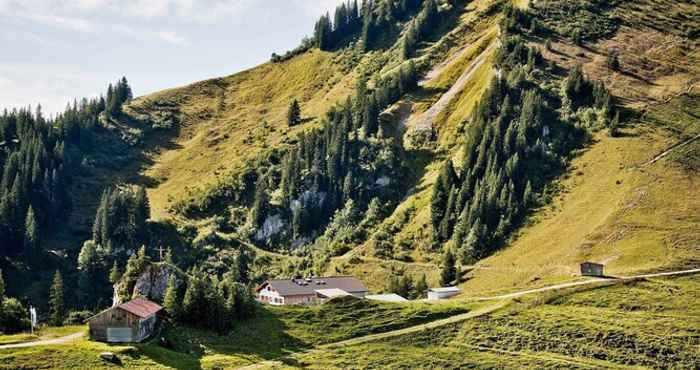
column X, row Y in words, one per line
column 450, row 289
column 387, row 297
column 591, row 263
column 287, row 287
column 332, row 293
column 141, row 307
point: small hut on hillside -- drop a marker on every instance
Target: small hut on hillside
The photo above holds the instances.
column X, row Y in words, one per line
column 592, row 269
column 133, row 321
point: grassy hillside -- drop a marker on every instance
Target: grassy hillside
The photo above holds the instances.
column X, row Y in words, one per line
column 274, row 332
column 223, row 123
column 612, row 205
column 644, row 324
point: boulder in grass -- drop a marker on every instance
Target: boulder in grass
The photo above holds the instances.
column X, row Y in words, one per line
column 108, row 356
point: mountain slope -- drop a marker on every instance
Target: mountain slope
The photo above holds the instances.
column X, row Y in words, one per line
column 225, row 125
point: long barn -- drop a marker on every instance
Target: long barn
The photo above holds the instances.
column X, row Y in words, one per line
column 133, row 321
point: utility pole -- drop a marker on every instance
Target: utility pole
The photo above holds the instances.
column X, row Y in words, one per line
column 32, row 318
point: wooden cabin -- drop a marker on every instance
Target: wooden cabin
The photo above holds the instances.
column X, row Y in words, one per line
column 309, row 291
column 133, row 321
column 592, row 269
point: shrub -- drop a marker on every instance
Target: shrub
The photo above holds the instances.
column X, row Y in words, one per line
column 14, row 316
column 77, row 317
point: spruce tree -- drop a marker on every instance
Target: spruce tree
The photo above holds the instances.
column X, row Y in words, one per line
column 114, row 274
column 243, row 264
column 142, row 212
column 294, row 114
column 420, row 287
column 56, row 302
column 2, row 288
column 368, row 31
column 258, row 212
column 170, row 300
column 614, row 125
column 31, row 235
column 449, row 269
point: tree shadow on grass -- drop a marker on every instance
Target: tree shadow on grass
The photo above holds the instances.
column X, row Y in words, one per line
column 263, row 337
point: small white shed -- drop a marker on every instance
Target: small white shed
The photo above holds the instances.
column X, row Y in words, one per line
column 391, row 297
column 442, row 293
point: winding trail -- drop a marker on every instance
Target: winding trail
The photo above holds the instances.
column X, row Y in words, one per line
column 503, row 301
column 610, row 280
column 46, row 342
column 670, row 149
column 426, row 120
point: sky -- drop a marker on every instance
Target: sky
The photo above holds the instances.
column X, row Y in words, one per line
column 53, row 51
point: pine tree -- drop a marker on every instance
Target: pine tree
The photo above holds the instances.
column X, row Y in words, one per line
column 56, row 302
column 576, row 37
column 2, row 288
column 142, row 212
column 294, row 114
column 449, row 270
column 170, row 300
column 420, row 287
column 613, row 61
column 368, row 27
column 614, row 125
column 528, row 195
column 31, row 235
column 115, row 274
column 243, row 264
column 260, row 207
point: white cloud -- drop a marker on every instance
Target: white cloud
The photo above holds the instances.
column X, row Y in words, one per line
column 69, row 23
column 194, row 11
column 22, row 85
column 172, row 37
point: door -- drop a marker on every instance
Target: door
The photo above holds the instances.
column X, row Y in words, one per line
column 119, row 335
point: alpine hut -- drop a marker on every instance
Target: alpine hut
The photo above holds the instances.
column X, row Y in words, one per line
column 133, row 321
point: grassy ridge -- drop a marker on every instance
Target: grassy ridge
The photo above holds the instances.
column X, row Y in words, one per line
column 275, row 332
column 647, row 324
column 222, row 123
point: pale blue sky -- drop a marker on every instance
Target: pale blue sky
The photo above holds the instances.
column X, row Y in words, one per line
column 52, row 51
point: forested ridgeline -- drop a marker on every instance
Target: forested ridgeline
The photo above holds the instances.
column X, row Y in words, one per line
column 286, row 199
column 517, row 141
column 371, row 23
column 39, row 157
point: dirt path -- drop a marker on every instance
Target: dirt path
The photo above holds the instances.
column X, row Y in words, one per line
column 670, row 149
column 426, row 120
column 386, row 335
column 612, row 280
column 465, row 316
column 62, row 340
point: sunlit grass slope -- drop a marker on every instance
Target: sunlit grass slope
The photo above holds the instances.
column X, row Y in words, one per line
column 225, row 122
column 648, row 324
column 272, row 333
column 613, row 208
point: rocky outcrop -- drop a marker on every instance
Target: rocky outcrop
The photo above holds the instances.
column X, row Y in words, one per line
column 153, row 282
column 150, row 284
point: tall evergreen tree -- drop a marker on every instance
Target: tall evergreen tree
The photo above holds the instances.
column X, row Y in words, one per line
column 294, row 114
column 448, row 275
column 420, row 287
column 31, row 235
column 171, row 301
column 2, row 288
column 56, row 302
column 114, row 273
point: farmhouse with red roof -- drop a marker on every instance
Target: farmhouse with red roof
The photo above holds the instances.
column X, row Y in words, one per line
column 133, row 321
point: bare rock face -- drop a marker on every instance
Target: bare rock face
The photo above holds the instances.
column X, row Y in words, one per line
column 153, row 282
